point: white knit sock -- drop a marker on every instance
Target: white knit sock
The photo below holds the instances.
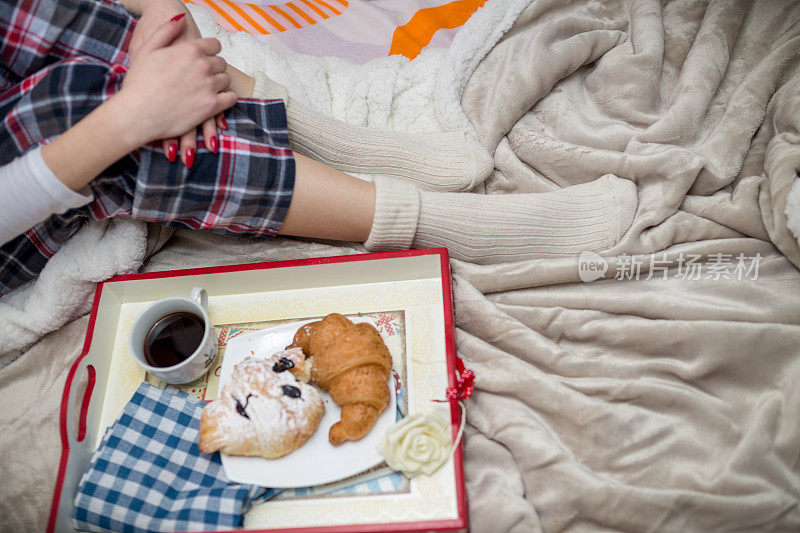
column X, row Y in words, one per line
column 499, row 228
column 451, row 161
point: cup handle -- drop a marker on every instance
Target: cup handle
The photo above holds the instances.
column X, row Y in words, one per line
column 200, row 296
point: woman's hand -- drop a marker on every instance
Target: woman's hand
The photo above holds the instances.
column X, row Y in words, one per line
column 172, row 86
column 153, row 14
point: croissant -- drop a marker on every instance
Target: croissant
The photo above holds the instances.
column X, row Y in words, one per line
column 352, row 363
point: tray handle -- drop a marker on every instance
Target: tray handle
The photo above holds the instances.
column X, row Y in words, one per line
column 73, row 441
column 77, row 436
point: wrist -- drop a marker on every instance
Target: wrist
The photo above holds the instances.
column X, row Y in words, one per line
column 93, row 144
column 241, row 83
column 117, row 121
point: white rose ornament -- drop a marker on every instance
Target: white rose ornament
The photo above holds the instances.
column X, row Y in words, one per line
column 421, row 444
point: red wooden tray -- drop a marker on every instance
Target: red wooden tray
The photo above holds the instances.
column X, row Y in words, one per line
column 417, row 282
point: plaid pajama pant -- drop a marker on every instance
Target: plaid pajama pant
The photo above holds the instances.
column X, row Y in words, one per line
column 59, row 60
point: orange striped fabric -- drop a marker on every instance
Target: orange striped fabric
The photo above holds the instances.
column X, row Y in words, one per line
column 410, row 38
column 372, row 28
column 257, row 19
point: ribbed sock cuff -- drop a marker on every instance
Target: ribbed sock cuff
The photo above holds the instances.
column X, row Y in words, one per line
column 396, row 215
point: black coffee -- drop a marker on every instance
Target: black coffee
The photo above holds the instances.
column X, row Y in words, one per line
column 173, row 338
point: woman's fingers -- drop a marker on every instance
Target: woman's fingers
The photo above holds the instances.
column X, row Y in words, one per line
column 209, row 46
column 164, row 35
column 175, row 86
column 226, row 100
column 170, row 147
column 217, row 64
column 222, row 124
column 220, row 82
column 210, row 135
column 189, row 148
column 188, row 141
column 210, row 128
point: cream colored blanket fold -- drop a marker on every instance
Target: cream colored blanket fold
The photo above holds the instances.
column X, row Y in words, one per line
column 635, row 404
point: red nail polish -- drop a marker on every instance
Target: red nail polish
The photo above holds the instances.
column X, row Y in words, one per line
column 212, row 143
column 177, row 17
column 172, row 152
column 223, row 123
column 189, row 157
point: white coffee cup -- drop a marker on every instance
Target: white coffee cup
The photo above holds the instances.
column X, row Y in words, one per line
column 199, row 361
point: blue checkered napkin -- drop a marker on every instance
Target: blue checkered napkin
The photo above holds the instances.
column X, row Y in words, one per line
column 148, row 474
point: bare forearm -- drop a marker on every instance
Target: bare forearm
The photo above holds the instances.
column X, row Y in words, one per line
column 82, row 152
column 241, row 83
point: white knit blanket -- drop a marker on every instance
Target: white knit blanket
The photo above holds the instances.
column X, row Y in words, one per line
column 412, row 96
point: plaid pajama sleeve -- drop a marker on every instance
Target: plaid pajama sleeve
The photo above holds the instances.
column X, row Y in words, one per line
column 38, row 33
column 246, row 188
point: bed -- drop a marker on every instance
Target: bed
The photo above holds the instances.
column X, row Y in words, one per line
column 652, row 387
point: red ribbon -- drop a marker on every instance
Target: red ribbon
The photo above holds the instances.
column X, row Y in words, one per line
column 464, row 383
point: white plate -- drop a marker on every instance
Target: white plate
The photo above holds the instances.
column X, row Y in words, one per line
column 317, row 461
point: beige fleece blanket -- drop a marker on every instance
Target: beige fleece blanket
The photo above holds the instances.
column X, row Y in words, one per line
column 661, row 397
column 661, row 404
